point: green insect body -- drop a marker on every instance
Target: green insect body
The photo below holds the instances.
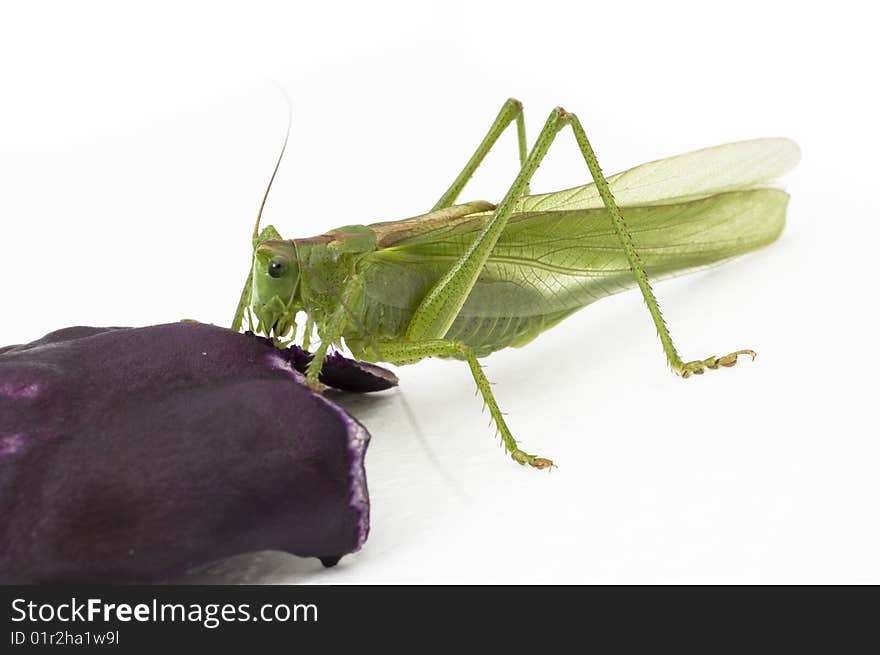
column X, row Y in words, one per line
column 463, row 281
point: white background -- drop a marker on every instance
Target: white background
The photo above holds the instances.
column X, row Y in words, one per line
column 135, row 145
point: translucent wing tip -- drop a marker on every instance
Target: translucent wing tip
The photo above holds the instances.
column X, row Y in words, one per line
column 737, row 166
column 784, row 151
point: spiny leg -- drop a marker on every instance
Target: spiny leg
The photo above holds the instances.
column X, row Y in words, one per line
column 684, row 369
column 510, row 111
column 442, row 303
column 401, row 353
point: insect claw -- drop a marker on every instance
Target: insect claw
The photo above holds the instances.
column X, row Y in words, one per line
column 523, row 458
column 316, row 385
column 699, row 367
column 730, row 360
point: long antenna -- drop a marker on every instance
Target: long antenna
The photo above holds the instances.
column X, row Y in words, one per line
column 277, row 164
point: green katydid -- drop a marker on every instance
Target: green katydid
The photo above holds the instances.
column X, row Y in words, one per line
column 465, row 280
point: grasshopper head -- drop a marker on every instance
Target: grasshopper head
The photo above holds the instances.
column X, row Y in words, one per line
column 274, row 288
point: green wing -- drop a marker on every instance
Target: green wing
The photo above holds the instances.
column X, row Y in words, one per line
column 729, row 167
column 551, row 262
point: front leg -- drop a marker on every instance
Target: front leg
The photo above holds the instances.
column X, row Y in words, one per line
column 332, row 329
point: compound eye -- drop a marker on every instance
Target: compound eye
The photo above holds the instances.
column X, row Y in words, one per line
column 277, row 267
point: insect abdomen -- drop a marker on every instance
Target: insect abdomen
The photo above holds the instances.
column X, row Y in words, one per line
column 484, row 333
